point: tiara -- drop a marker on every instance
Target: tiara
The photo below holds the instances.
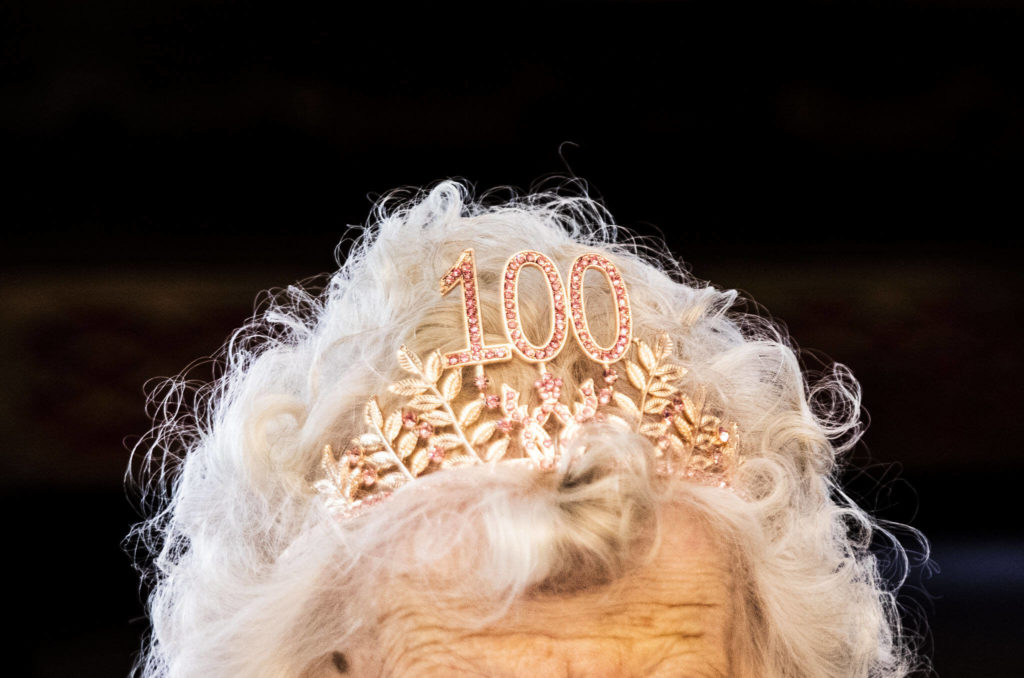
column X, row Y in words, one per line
column 436, row 425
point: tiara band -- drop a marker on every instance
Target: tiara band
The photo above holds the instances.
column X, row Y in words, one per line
column 426, row 433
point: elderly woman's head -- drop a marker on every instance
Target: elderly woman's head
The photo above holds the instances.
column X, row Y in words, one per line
column 502, row 443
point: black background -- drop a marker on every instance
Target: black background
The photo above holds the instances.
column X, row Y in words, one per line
column 854, row 167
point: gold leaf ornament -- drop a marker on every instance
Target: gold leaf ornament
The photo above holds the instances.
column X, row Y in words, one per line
column 670, row 372
column 664, row 346
column 409, row 361
column 432, row 370
column 627, row 404
column 425, row 402
column 419, row 462
column 497, row 449
column 471, row 412
column 406, row 444
column 374, row 417
column 381, row 460
column 451, row 385
column 368, row 441
column 635, row 375
column 656, row 405
column 446, row 441
column 646, row 356
column 660, row 389
column 392, row 426
column 483, row 432
column 437, row 418
column 409, row 387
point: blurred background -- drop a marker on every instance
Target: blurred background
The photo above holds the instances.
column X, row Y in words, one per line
column 853, row 167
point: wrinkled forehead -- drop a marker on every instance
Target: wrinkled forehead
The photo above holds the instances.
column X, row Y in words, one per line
column 673, row 615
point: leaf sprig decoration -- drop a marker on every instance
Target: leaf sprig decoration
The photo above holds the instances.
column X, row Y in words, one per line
column 427, row 433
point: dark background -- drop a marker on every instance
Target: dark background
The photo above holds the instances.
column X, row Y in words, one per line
column 854, row 167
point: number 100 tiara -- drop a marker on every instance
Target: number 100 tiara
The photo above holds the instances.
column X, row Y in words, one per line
column 436, row 426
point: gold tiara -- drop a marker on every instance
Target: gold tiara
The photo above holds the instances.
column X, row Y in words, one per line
column 426, row 432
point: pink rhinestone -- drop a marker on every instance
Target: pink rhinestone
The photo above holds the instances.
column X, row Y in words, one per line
column 520, row 258
column 531, row 257
column 723, row 435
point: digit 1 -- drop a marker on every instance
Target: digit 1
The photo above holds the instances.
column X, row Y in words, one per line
column 510, row 299
column 578, row 308
column 464, row 273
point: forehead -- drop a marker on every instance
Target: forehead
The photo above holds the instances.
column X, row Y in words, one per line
column 672, row 616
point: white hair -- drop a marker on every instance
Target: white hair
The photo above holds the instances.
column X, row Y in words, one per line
column 251, row 576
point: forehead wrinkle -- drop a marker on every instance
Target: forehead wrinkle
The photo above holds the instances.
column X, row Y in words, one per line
column 670, row 616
